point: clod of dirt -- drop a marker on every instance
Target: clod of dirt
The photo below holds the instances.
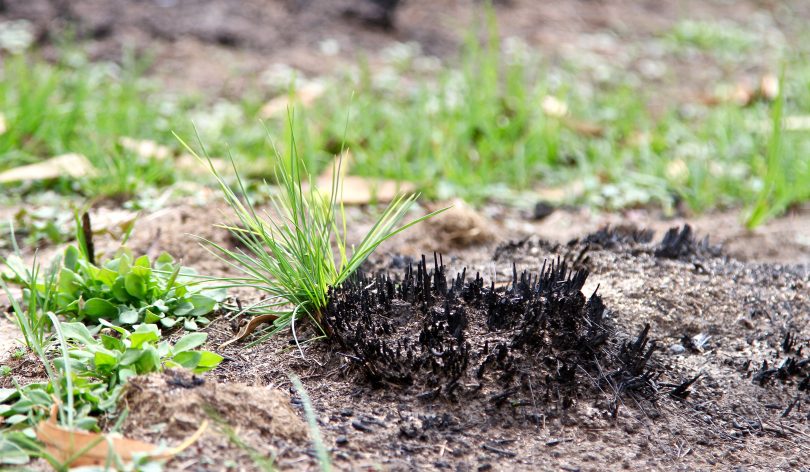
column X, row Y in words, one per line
column 538, row 340
column 171, row 405
column 459, row 227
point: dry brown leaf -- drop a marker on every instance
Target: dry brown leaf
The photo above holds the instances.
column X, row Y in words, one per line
column 356, row 190
column 192, row 165
column 145, row 148
column 303, row 96
column 742, row 95
column 112, row 221
column 769, row 87
column 64, row 444
column 586, row 128
column 563, row 193
column 73, row 165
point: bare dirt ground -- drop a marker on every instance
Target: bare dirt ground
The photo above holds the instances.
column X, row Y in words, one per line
column 718, row 318
column 729, row 419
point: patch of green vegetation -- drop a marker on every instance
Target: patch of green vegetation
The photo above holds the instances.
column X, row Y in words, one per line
column 85, row 108
column 35, row 227
column 124, row 290
column 88, row 372
column 290, row 257
column 479, row 129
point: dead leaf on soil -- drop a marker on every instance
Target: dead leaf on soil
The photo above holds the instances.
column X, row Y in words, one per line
column 769, row 87
column 115, row 222
column 745, row 92
column 356, row 190
column 64, row 444
column 585, row 128
column 556, row 108
column 192, row 165
column 73, row 165
column 303, row 96
column 562, row 193
column 145, row 148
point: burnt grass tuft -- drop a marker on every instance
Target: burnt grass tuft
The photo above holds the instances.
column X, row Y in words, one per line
column 536, row 339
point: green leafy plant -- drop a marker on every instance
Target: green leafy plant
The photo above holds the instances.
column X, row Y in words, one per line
column 89, row 371
column 298, row 252
column 129, row 290
column 125, row 290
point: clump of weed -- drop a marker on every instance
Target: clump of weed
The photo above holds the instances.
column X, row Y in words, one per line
column 295, row 252
column 125, row 290
column 85, row 368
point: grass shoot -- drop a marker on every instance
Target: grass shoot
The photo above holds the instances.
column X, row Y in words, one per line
column 297, row 250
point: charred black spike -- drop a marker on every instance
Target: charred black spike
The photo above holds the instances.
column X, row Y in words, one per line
column 682, row 390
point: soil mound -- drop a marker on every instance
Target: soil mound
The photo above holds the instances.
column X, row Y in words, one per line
column 243, row 420
column 538, row 339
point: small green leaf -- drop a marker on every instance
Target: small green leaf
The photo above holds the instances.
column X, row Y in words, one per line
column 188, row 359
column 14, row 419
column 7, row 393
column 71, row 258
column 150, row 317
column 160, row 305
column 217, row 294
column 119, row 290
column 189, row 342
column 183, row 309
column 168, row 322
column 148, row 362
column 128, row 316
column 98, row 307
column 202, row 304
column 69, row 282
column 124, row 374
column 77, row 332
column 190, row 325
column 130, row 356
column 135, row 285
column 164, row 258
column 208, row 360
column 145, row 333
column 12, row 454
column 113, row 344
column 105, row 359
column 106, row 276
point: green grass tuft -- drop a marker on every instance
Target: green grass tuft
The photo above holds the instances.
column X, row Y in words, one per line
column 289, row 254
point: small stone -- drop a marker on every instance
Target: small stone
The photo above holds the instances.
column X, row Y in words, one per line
column 360, row 426
column 542, row 210
column 346, row 412
column 677, row 349
column 341, row 440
